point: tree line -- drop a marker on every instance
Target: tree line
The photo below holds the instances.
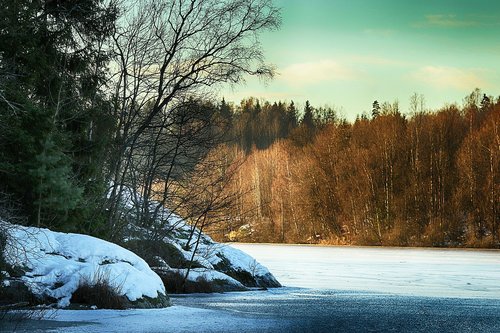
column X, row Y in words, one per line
column 419, row 178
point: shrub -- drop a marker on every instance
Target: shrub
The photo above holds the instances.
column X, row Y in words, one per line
column 173, row 282
column 99, row 292
column 486, row 242
column 368, row 238
column 3, row 264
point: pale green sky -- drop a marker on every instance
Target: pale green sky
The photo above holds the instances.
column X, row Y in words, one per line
column 348, row 53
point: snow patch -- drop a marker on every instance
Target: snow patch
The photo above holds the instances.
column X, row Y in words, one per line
column 56, row 263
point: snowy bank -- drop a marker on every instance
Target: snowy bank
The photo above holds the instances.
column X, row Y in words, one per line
column 53, row 265
column 182, row 249
column 222, row 266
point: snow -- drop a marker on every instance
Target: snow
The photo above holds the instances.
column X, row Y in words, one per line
column 209, row 275
column 56, row 263
column 242, row 260
column 399, row 271
column 209, row 254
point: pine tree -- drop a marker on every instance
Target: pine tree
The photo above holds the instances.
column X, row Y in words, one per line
column 485, row 103
column 308, row 119
column 51, row 176
column 292, row 115
column 375, row 109
column 51, row 69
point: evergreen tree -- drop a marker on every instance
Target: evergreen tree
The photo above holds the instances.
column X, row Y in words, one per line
column 308, row 119
column 225, row 111
column 375, row 109
column 51, row 70
column 485, row 103
column 51, row 175
column 292, row 115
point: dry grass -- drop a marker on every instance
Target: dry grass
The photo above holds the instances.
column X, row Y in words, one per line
column 100, row 292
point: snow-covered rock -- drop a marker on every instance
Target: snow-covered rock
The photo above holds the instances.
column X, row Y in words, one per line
column 55, row 264
column 214, row 262
column 221, row 264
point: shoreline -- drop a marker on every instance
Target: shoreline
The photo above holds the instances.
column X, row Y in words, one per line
column 369, row 246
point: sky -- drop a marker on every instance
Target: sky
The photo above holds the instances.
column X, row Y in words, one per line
column 348, row 53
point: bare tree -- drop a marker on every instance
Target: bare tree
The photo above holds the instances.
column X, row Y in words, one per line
column 167, row 52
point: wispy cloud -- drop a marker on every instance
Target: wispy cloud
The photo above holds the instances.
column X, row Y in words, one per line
column 378, row 61
column 451, row 77
column 449, row 21
column 306, row 73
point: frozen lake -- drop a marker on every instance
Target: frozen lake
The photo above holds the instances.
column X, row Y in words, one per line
column 328, row 289
column 401, row 271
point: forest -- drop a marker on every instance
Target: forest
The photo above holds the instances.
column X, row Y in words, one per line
column 102, row 100
column 392, row 177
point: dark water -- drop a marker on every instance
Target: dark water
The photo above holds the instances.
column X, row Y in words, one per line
column 309, row 310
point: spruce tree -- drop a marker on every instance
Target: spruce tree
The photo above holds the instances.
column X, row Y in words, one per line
column 51, row 70
column 308, row 119
column 375, row 109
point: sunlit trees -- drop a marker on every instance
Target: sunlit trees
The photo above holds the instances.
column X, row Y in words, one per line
column 420, row 179
column 478, row 167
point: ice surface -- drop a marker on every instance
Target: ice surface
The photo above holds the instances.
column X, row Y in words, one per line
column 402, row 271
column 172, row 319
